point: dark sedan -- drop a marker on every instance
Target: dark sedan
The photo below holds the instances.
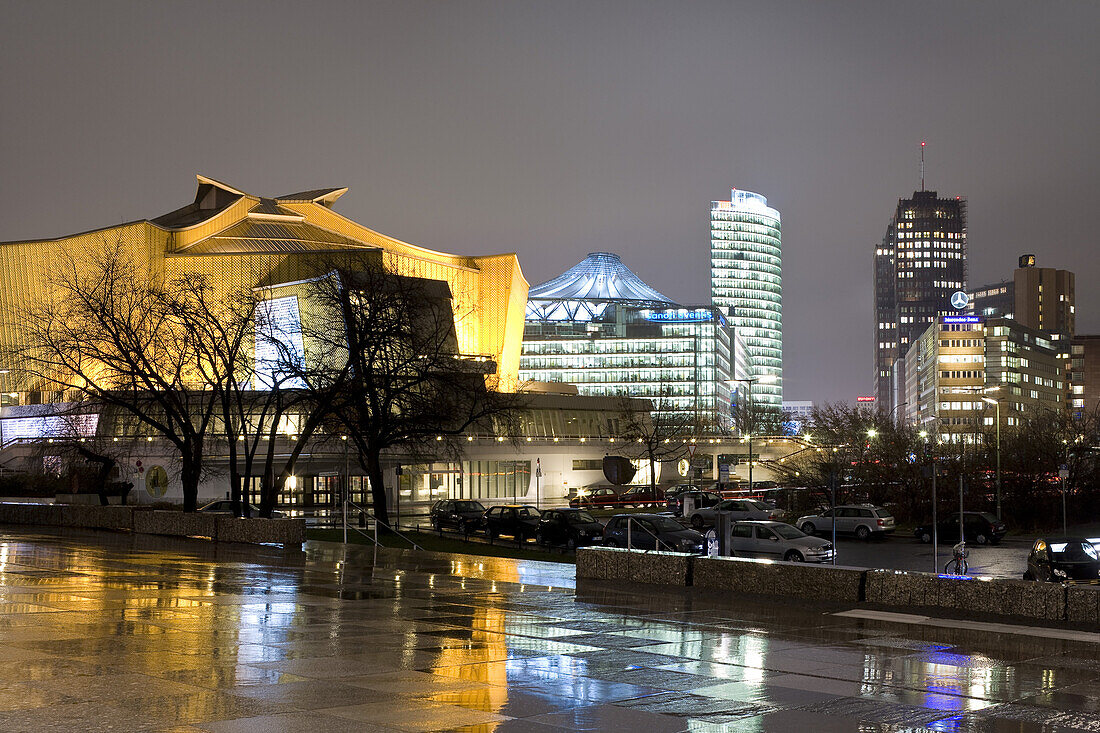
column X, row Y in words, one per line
column 519, row 521
column 459, row 514
column 1058, row 559
column 978, row 527
column 569, row 527
column 651, row 532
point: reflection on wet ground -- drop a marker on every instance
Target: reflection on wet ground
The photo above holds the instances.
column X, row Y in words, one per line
column 101, row 631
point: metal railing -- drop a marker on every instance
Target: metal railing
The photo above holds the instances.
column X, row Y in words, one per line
column 657, row 540
column 375, row 521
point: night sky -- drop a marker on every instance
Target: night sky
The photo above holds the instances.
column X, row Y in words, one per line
column 553, row 129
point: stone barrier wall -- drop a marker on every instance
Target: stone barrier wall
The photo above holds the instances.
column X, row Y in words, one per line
column 261, row 531
column 176, row 524
column 613, row 563
column 1083, row 604
column 790, row 580
column 964, row 593
column 48, row 515
column 146, row 521
column 890, row 588
column 94, row 516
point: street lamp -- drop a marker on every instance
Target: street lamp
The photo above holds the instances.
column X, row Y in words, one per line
column 997, row 404
column 764, row 379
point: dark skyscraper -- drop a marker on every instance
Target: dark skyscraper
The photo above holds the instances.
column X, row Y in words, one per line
column 920, row 263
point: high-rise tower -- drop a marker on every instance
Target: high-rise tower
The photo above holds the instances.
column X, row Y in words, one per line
column 919, row 264
column 746, row 269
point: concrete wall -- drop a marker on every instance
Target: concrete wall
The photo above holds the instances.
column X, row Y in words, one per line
column 145, row 521
column 888, row 588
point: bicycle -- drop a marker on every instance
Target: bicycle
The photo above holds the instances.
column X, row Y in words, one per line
column 957, row 564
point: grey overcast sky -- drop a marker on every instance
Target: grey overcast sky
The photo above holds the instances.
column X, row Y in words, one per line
column 557, row 128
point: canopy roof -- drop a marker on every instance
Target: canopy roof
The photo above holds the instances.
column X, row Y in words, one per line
column 584, row 290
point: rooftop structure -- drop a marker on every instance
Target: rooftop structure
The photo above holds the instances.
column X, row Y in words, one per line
column 583, row 291
column 243, row 241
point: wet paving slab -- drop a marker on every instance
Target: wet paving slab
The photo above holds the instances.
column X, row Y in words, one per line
column 102, row 631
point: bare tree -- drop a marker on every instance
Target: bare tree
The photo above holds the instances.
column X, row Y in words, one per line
column 116, row 333
column 386, row 368
column 660, row 434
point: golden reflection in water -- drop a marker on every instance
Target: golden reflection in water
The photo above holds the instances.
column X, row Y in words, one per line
column 484, row 659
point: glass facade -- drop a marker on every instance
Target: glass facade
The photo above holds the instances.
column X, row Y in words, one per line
column 677, row 357
column 747, row 283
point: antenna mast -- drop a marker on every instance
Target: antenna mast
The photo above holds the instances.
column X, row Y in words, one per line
column 922, row 165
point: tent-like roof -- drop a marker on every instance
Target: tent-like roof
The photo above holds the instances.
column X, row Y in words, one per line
column 600, row 276
column 584, row 290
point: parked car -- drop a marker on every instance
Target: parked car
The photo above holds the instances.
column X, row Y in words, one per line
column 225, row 506
column 675, row 503
column 780, row 541
column 641, row 496
column 978, row 527
column 651, row 532
column 519, row 521
column 1057, row 559
column 737, row 510
column 862, row 520
column 463, row 515
column 674, row 491
column 569, row 527
column 598, row 497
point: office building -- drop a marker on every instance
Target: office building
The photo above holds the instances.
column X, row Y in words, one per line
column 747, row 284
column 1044, row 297
column 920, row 262
column 960, row 359
column 600, row 327
column 1084, row 375
column 996, row 300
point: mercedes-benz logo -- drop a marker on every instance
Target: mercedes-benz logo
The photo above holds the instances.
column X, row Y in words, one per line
column 959, row 299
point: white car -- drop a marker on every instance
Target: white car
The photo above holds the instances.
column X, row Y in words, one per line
column 736, row 509
column 862, row 520
column 778, row 541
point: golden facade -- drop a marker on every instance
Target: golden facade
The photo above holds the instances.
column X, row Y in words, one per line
column 240, row 240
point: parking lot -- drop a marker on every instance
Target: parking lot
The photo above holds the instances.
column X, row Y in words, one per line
column 898, row 551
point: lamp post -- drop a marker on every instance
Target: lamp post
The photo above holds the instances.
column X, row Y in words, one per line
column 935, row 528
column 766, row 379
column 997, row 404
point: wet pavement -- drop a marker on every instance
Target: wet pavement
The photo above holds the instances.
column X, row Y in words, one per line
column 102, row 631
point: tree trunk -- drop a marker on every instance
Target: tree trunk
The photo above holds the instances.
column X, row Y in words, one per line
column 190, row 470
column 652, row 470
column 377, row 485
column 235, row 494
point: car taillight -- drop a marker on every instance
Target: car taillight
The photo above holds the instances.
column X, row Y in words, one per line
column 881, row 523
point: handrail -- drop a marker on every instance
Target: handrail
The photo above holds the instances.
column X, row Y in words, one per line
column 659, row 541
column 378, row 521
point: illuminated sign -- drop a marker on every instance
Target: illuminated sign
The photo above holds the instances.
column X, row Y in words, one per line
column 959, row 299
column 865, row 398
column 961, row 319
column 679, row 316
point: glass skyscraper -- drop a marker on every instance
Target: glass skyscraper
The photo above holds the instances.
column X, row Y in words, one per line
column 746, row 267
